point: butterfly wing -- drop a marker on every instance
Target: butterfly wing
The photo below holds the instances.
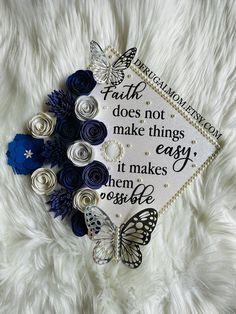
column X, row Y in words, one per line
column 130, row 254
column 124, row 61
column 116, row 77
column 96, row 50
column 136, row 231
column 102, row 230
column 99, row 63
column 121, row 64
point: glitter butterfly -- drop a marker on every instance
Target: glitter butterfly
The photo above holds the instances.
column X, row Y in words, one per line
column 119, row 243
column 103, row 70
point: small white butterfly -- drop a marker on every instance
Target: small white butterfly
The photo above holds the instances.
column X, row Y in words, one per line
column 103, row 70
column 119, row 243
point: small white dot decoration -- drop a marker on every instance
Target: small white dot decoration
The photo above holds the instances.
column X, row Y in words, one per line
column 118, row 215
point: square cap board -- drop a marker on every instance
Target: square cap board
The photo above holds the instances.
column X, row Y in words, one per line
column 153, row 149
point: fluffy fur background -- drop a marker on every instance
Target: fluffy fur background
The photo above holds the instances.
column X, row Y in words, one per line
column 189, row 267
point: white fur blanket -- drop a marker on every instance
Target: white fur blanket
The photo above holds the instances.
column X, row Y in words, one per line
column 189, row 266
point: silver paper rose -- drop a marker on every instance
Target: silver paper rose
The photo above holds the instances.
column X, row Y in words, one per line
column 43, row 181
column 85, row 197
column 80, row 153
column 86, row 107
column 42, row 125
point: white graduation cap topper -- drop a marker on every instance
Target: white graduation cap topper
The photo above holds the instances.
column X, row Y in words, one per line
column 153, row 151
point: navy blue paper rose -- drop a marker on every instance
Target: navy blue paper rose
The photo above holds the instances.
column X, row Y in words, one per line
column 61, row 203
column 93, row 132
column 70, row 177
column 95, row 175
column 68, row 129
column 25, row 154
column 81, row 82
column 78, row 224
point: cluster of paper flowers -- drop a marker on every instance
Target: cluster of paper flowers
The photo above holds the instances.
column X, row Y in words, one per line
column 71, row 132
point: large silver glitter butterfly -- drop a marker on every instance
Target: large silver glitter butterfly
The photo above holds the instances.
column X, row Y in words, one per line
column 103, row 70
column 119, row 243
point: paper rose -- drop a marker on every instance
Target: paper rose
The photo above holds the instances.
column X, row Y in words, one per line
column 95, row 175
column 25, row 154
column 70, row 177
column 61, row 203
column 93, row 132
column 86, row 107
column 78, row 224
column 42, row 125
column 85, row 197
column 61, row 104
column 80, row 153
column 81, row 82
column 43, row 181
column 69, row 129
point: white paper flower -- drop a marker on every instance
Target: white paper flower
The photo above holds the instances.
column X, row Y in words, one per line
column 80, row 153
column 86, row 107
column 43, row 181
column 42, row 125
column 85, row 197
